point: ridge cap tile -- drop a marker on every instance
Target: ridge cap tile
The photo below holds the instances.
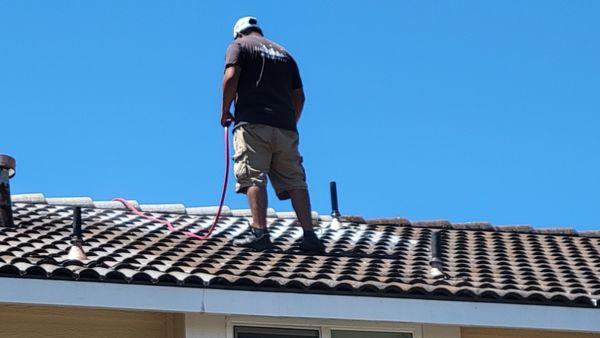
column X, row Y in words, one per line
column 285, row 214
column 556, row 231
column 164, row 208
column 435, row 223
column 388, row 220
column 292, row 215
column 178, row 208
column 247, row 213
column 589, row 233
column 325, row 218
column 114, row 204
column 241, row 212
column 71, row 201
column 525, row 228
column 35, row 198
column 208, row 211
column 353, row 219
column 472, row 226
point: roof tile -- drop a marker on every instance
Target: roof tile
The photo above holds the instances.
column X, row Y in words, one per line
column 164, row 208
column 72, row 201
column 392, row 220
column 384, row 257
column 114, row 204
column 208, row 211
column 556, row 231
column 28, row 198
column 441, row 223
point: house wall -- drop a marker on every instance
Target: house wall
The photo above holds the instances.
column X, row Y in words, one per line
column 46, row 321
column 205, row 326
column 221, row 326
column 441, row 331
column 296, row 305
column 512, row 333
column 43, row 321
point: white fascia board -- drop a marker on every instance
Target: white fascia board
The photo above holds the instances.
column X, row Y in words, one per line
column 296, row 305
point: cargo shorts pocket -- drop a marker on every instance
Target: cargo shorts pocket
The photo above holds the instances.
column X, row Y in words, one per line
column 240, row 169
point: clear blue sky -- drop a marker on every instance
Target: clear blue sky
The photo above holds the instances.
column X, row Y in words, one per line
column 461, row 110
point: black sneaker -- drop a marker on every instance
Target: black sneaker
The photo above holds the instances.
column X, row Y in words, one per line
column 311, row 243
column 257, row 239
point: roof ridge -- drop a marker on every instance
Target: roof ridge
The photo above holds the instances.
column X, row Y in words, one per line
column 171, row 208
column 178, row 208
column 484, row 226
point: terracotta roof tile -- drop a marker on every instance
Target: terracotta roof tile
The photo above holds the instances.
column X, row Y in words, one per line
column 383, row 257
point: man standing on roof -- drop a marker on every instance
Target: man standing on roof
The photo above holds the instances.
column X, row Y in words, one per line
column 263, row 80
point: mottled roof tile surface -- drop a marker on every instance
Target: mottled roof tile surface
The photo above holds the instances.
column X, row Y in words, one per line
column 377, row 257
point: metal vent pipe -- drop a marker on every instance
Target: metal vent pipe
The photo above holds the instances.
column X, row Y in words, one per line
column 335, row 211
column 436, row 247
column 76, row 236
column 436, row 254
column 7, row 171
column 77, row 252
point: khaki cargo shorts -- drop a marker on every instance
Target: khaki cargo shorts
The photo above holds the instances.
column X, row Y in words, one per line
column 263, row 151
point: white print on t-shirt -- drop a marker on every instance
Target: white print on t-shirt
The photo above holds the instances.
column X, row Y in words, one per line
column 269, row 53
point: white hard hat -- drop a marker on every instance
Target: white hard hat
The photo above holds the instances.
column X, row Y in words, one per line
column 243, row 23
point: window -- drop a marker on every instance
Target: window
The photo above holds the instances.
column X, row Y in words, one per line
column 365, row 334
column 263, row 332
column 265, row 327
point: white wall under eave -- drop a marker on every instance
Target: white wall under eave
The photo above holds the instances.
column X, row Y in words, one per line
column 441, row 331
column 221, row 326
column 205, row 326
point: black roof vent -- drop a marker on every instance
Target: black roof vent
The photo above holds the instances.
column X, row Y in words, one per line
column 8, row 167
column 335, row 211
column 436, row 255
column 76, row 252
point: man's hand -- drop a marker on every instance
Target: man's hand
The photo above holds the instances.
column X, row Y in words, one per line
column 226, row 119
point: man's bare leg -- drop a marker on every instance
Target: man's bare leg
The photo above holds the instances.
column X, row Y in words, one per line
column 258, row 238
column 301, row 204
column 257, row 199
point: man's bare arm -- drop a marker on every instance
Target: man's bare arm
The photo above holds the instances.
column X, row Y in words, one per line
column 298, row 99
column 230, row 84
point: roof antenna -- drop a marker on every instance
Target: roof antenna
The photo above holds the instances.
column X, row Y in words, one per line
column 335, row 212
column 7, row 171
column 436, row 255
column 76, row 252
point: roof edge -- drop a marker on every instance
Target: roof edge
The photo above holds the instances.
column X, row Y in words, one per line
column 299, row 305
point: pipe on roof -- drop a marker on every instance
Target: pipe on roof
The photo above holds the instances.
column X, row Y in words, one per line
column 76, row 252
column 7, row 171
column 436, row 262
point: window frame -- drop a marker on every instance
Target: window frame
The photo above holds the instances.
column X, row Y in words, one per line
column 276, row 328
column 327, row 330
column 324, row 327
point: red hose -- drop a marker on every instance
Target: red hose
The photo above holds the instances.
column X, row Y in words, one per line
column 188, row 233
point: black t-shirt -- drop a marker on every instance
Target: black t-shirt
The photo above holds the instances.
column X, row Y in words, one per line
column 268, row 75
